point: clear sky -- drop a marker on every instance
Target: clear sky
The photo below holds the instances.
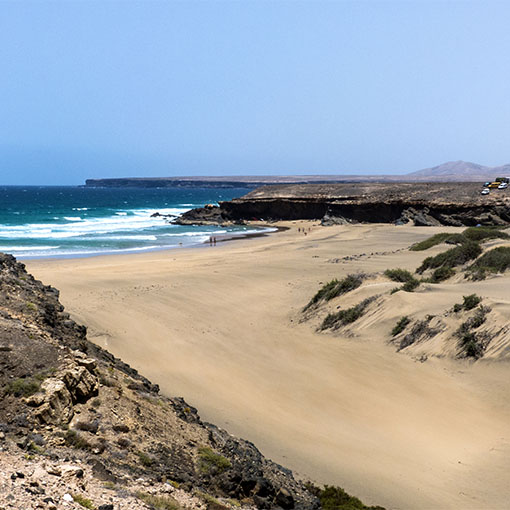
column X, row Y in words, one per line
column 108, row 89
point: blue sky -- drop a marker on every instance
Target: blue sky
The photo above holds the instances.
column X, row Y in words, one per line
column 108, row 89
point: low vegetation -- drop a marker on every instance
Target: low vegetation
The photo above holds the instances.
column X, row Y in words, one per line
column 402, row 275
column 336, row 288
column 496, row 260
column 398, row 275
column 76, row 440
column 481, row 234
column 145, row 460
column 335, row 498
column 468, row 248
column 83, row 501
column 347, row 316
column 23, row 387
column 410, row 285
column 430, row 242
column 210, row 461
column 26, row 386
column 400, row 325
column 158, row 502
column 453, row 257
column 477, row 234
column 472, row 343
column 469, row 303
column 441, row 274
column 419, row 331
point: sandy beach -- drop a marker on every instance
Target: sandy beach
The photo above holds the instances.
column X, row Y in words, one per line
column 222, row 327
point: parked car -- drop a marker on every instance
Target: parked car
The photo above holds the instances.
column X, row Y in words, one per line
column 503, row 185
column 486, row 191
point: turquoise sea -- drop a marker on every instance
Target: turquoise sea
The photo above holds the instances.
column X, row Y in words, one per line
column 52, row 221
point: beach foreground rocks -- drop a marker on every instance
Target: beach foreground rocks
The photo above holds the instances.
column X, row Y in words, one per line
column 80, row 428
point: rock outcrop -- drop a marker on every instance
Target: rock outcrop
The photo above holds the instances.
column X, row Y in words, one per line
column 453, row 204
column 66, row 401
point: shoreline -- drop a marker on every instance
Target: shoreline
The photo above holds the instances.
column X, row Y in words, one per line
column 224, row 329
column 266, row 230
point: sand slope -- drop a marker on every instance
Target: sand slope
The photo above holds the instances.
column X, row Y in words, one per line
column 222, row 327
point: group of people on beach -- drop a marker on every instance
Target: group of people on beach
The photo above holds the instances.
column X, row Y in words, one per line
column 212, row 240
column 304, row 230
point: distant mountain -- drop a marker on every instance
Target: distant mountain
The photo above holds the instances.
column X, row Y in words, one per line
column 459, row 171
column 447, row 172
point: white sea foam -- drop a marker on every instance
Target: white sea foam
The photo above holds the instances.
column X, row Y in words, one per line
column 9, row 249
column 133, row 237
column 72, row 218
column 81, row 227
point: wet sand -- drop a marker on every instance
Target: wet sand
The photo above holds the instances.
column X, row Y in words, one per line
column 222, row 327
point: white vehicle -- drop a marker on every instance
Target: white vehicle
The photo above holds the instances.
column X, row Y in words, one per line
column 503, row 185
column 486, row 191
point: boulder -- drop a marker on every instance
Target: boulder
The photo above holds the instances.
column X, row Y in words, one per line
column 81, row 383
column 53, row 402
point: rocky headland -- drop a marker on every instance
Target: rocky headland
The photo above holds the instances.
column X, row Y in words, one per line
column 81, row 429
column 421, row 204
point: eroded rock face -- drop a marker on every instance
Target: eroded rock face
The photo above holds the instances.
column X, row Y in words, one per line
column 81, row 384
column 456, row 204
column 54, row 402
column 129, row 431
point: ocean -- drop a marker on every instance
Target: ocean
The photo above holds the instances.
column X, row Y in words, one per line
column 54, row 221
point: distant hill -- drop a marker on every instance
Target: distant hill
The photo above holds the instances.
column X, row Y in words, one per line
column 459, row 171
column 447, row 172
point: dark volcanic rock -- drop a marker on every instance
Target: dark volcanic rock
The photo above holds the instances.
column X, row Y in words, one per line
column 64, row 397
column 212, row 215
column 421, row 203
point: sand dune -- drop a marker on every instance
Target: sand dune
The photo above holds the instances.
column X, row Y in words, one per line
column 222, row 326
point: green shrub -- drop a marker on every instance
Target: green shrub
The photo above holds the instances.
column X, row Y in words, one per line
column 472, row 349
column 430, row 242
column 420, row 329
column 410, row 285
column 158, row 502
column 344, row 317
column 477, row 275
column 145, row 459
column 456, row 239
column 335, row 498
column 471, row 301
column 480, row 316
column 452, row 257
column 477, row 234
column 212, row 461
column 398, row 275
column 484, row 233
column 76, row 440
column 84, row 502
column 23, row 387
column 473, row 344
column 402, row 275
column 496, row 260
column 441, row 274
column 336, row 288
column 400, row 326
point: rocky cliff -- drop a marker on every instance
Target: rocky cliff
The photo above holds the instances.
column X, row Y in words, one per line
column 454, row 204
column 80, row 428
